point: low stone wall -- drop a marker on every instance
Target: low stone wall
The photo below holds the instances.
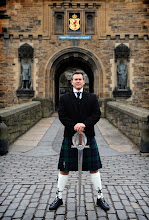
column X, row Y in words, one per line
column 46, row 105
column 103, row 105
column 20, row 118
column 132, row 121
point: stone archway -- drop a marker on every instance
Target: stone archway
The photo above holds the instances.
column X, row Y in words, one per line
column 75, row 58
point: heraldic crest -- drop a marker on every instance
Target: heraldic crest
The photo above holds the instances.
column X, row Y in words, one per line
column 74, row 22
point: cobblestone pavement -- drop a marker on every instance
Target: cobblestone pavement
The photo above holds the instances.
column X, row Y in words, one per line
column 28, row 180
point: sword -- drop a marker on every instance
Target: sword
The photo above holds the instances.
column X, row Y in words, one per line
column 79, row 141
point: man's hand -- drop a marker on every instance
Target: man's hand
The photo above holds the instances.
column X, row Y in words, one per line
column 79, row 127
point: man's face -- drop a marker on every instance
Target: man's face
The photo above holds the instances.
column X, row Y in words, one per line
column 77, row 81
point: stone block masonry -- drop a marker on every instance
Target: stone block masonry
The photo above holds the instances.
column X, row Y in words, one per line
column 46, row 105
column 132, row 121
column 33, row 22
column 20, row 118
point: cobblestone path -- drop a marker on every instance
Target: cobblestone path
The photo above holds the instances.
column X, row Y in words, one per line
column 28, row 183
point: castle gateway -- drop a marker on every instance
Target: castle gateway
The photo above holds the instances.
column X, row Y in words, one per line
column 43, row 42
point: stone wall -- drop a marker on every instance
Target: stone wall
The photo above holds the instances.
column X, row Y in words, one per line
column 103, row 105
column 32, row 22
column 20, row 118
column 46, row 107
column 133, row 122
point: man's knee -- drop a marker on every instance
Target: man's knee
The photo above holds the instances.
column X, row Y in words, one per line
column 64, row 173
column 96, row 171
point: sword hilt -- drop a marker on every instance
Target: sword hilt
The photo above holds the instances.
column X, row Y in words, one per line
column 80, row 139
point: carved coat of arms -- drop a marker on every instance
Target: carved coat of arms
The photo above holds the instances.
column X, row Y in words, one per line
column 74, row 23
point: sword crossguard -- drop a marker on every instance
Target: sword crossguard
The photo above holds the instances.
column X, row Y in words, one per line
column 80, row 147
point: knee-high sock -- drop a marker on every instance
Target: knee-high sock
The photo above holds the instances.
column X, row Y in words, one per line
column 62, row 180
column 96, row 180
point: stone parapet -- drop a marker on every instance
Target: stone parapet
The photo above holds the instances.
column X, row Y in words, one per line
column 46, row 106
column 20, row 118
column 103, row 105
column 132, row 121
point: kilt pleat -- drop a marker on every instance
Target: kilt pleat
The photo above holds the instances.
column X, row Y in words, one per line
column 68, row 160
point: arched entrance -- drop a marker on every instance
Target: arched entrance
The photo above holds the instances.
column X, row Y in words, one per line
column 71, row 59
column 68, row 64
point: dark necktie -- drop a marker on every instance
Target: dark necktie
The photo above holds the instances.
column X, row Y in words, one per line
column 78, row 95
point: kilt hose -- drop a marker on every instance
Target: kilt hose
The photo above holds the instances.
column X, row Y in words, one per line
column 68, row 160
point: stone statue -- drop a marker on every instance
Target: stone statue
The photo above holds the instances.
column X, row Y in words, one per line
column 122, row 75
column 25, row 75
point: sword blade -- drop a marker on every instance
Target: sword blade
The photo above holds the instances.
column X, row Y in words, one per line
column 80, row 160
column 79, row 142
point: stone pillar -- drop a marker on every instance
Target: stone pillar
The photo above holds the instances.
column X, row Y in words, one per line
column 145, row 140
column 47, row 106
column 3, row 137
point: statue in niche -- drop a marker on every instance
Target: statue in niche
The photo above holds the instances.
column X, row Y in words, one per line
column 122, row 75
column 25, row 75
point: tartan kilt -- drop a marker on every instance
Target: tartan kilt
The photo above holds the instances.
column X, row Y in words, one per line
column 68, row 160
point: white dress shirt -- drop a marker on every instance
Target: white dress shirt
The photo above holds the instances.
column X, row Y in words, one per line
column 76, row 91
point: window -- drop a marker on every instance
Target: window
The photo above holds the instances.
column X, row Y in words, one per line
column 89, row 22
column 59, row 22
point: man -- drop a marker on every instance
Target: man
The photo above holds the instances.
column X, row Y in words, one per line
column 79, row 111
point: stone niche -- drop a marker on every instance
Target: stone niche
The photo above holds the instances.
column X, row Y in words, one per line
column 122, row 57
column 25, row 90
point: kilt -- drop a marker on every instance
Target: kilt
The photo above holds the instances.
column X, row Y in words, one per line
column 68, row 160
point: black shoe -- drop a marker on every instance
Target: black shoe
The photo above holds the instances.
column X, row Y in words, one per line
column 55, row 204
column 102, row 203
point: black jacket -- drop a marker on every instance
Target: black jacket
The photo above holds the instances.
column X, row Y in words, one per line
column 71, row 111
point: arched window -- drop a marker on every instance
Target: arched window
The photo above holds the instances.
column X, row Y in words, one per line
column 89, row 22
column 59, row 22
